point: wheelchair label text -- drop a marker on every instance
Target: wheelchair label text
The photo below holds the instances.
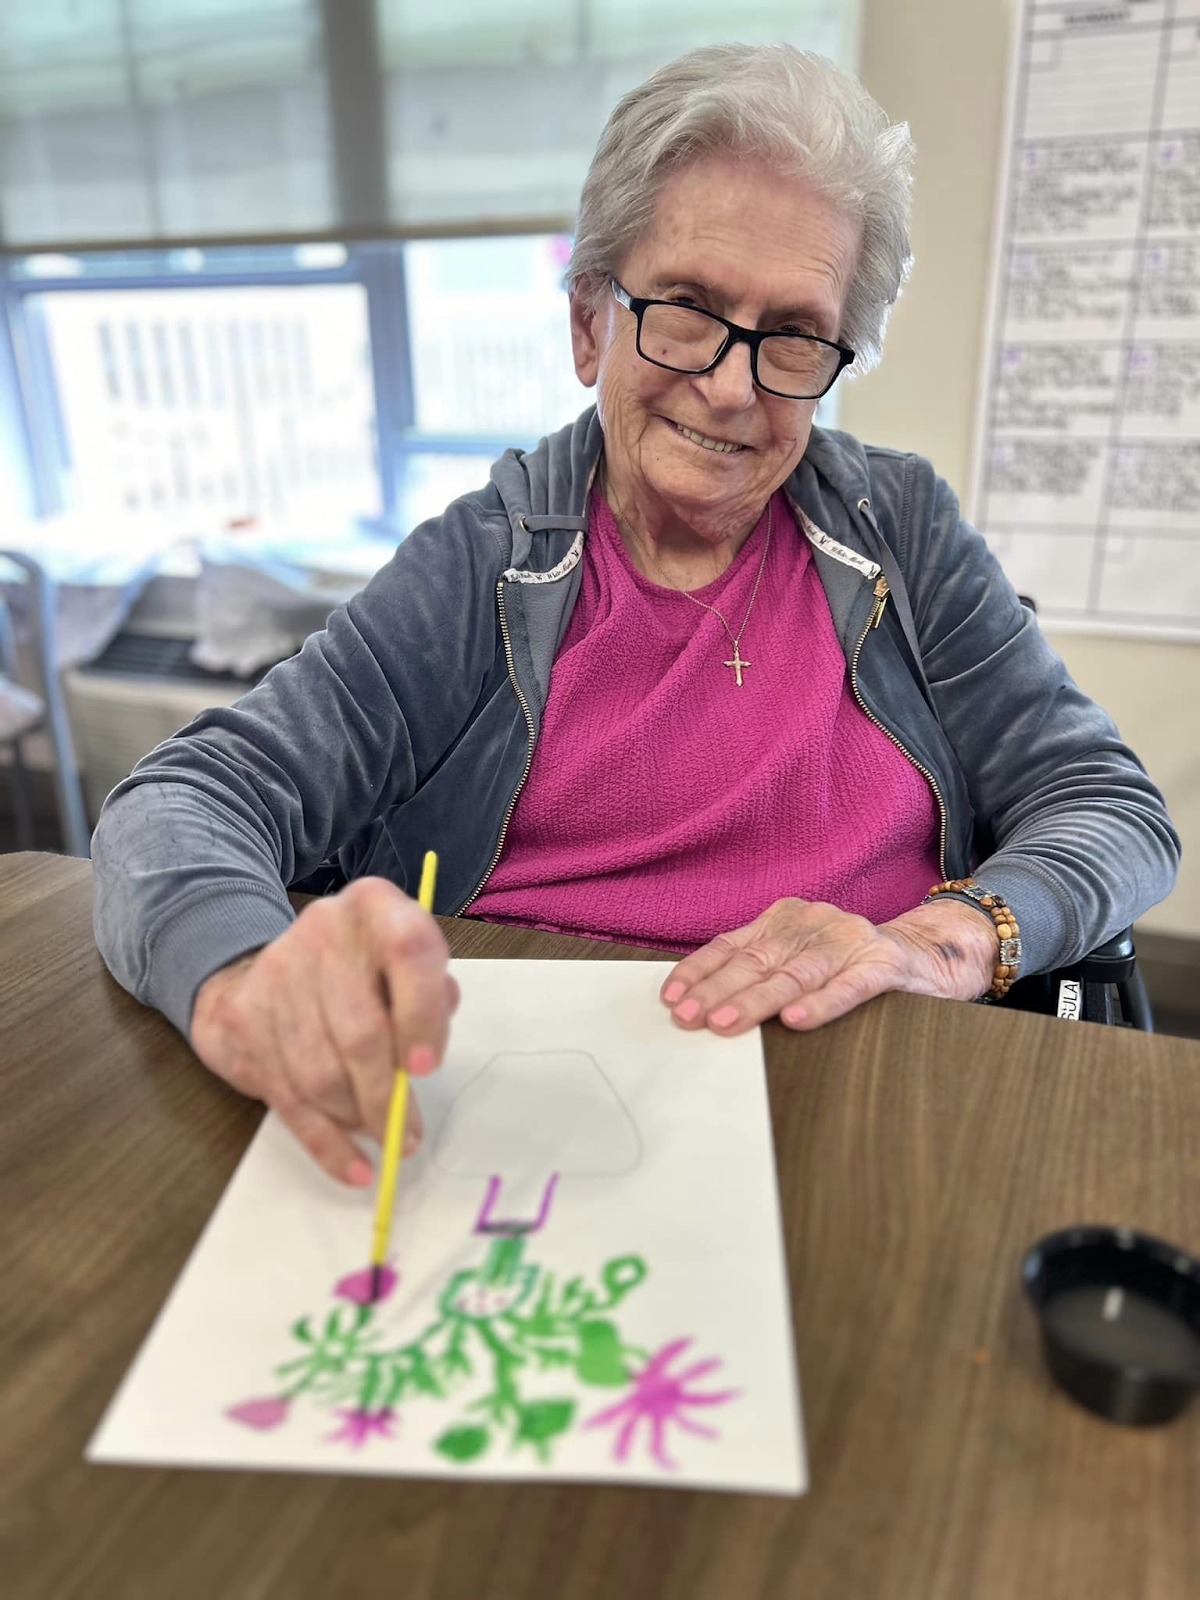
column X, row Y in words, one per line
column 1070, row 999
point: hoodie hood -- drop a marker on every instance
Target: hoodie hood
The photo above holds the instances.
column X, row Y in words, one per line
column 546, row 489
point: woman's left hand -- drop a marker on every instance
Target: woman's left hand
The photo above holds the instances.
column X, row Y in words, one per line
column 807, row 963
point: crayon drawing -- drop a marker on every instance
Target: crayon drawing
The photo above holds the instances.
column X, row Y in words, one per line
column 495, row 1327
column 586, row 1279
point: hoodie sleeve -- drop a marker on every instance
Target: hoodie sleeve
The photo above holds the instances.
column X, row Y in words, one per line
column 193, row 851
column 1081, row 841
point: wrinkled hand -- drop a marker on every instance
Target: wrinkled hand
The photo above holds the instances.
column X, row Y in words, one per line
column 807, row 963
column 317, row 1022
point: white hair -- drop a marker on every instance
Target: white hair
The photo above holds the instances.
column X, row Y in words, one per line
column 774, row 103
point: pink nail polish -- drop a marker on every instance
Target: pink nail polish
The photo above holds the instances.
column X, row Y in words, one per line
column 359, row 1174
column 420, row 1060
column 725, row 1017
column 688, row 1011
column 674, row 991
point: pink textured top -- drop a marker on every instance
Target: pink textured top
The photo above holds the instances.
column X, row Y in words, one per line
column 664, row 804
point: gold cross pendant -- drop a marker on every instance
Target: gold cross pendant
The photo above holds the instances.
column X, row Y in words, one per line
column 737, row 664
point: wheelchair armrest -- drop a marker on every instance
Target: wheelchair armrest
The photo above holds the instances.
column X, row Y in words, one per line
column 328, row 878
column 1111, row 962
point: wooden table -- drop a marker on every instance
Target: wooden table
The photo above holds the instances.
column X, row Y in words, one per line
column 922, row 1146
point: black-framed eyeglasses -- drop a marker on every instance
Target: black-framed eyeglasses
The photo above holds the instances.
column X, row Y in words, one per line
column 795, row 366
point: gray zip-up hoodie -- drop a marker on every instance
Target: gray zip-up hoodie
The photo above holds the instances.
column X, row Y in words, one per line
column 410, row 722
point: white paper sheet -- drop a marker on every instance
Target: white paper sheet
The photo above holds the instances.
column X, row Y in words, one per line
column 638, row 1329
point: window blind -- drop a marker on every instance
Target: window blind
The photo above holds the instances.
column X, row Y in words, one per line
column 157, row 122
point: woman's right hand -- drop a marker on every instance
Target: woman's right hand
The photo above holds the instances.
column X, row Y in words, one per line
column 317, row 1022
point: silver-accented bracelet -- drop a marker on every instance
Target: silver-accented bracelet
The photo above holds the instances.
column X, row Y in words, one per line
column 995, row 906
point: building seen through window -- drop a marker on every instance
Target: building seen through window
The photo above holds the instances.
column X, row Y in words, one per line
column 233, row 403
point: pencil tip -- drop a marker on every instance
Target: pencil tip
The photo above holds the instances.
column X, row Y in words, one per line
column 376, row 1284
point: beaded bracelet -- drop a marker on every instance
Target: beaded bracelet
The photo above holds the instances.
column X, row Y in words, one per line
column 1007, row 931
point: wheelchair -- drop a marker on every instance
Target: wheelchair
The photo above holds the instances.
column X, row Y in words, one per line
column 1104, row 986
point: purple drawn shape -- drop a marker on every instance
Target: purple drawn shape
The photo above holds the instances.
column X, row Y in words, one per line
column 485, row 1224
column 659, row 1397
column 266, row 1413
column 356, row 1286
column 358, row 1425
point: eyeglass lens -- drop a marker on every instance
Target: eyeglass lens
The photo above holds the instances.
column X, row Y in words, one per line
column 680, row 337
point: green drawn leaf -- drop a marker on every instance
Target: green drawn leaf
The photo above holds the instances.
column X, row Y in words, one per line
column 453, row 1364
column 575, row 1298
column 371, row 1383
column 541, row 1421
column 463, row 1444
column 397, row 1384
column 600, row 1360
column 621, row 1275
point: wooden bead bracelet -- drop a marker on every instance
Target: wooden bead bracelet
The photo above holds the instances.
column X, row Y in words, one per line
column 1006, row 927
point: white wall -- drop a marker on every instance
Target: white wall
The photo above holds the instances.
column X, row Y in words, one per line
column 941, row 66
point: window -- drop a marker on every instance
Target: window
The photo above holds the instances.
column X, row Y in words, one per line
column 309, row 389
column 238, row 403
column 490, row 359
column 315, row 391
column 491, row 348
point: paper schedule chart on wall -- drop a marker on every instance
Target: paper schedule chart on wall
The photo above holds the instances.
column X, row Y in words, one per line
column 587, row 1278
column 1087, row 458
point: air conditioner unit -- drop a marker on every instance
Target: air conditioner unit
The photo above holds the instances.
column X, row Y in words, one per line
column 139, row 692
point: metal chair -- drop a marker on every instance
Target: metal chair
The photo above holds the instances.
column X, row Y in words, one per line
column 29, row 713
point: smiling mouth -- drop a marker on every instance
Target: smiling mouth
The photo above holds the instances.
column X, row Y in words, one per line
column 721, row 447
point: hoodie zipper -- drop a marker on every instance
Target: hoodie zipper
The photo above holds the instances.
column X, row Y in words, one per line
column 520, row 694
column 881, row 597
column 512, row 804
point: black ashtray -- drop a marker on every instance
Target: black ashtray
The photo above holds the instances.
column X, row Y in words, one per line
column 1120, row 1317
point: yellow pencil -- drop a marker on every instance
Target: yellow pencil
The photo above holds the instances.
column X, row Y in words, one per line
column 393, row 1139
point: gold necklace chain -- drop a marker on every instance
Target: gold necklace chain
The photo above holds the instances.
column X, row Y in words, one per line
column 735, row 639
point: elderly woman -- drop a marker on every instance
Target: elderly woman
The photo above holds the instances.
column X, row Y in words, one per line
column 693, row 674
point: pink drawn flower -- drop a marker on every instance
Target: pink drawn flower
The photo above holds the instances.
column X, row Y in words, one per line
column 356, row 1286
column 659, row 1397
column 359, row 1424
column 262, row 1414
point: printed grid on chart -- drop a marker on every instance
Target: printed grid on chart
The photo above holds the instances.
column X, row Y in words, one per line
column 1087, row 474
